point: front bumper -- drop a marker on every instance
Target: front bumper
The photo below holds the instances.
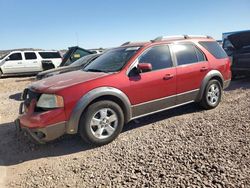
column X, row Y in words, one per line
column 43, row 135
column 41, row 126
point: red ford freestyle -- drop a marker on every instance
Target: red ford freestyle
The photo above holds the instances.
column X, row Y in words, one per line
column 125, row 83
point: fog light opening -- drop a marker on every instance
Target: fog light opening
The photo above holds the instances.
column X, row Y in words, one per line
column 40, row 135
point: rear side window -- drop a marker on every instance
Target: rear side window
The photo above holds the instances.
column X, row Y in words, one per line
column 215, row 49
column 187, row 54
column 50, row 55
column 29, row 55
column 159, row 57
column 15, row 57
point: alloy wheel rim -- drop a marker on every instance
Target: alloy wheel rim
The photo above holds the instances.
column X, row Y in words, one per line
column 104, row 123
column 213, row 94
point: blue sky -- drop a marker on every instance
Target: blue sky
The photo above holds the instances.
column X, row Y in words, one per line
column 52, row 24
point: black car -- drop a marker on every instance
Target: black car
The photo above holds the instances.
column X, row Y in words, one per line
column 237, row 46
column 77, row 65
column 74, row 53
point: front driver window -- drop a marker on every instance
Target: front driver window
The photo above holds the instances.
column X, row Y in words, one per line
column 159, row 57
column 15, row 57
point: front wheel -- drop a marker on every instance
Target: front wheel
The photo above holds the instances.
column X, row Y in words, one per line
column 101, row 123
column 212, row 95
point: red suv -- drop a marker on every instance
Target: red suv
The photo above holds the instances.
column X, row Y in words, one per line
column 125, row 83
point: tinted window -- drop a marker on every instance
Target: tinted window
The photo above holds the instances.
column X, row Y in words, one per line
column 15, row 57
column 159, row 57
column 186, row 54
column 112, row 60
column 84, row 60
column 30, row 55
column 49, row 55
column 215, row 49
column 78, row 54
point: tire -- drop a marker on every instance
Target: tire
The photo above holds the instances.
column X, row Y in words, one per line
column 1, row 74
column 101, row 123
column 212, row 95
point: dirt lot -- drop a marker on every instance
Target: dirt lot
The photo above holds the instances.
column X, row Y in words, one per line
column 183, row 147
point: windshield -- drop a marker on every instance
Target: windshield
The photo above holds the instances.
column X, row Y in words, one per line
column 82, row 61
column 112, row 60
column 3, row 55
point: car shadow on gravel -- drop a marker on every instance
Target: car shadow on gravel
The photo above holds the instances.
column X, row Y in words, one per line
column 16, row 96
column 16, row 147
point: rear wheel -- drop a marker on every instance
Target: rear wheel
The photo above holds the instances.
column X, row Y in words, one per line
column 1, row 74
column 101, row 123
column 212, row 95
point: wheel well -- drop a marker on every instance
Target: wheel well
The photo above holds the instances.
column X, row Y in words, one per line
column 217, row 78
column 114, row 99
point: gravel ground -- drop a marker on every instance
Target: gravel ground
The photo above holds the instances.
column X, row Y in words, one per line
column 183, row 147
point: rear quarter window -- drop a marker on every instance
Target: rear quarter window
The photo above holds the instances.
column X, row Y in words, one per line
column 214, row 48
column 50, row 55
column 187, row 54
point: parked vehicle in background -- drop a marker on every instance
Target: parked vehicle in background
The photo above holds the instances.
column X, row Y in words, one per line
column 237, row 46
column 77, row 65
column 74, row 53
column 97, row 51
column 125, row 83
column 28, row 62
column 219, row 42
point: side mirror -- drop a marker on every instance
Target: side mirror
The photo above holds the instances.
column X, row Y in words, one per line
column 7, row 59
column 144, row 67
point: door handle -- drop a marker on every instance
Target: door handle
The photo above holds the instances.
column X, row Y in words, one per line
column 19, row 63
column 168, row 76
column 203, row 69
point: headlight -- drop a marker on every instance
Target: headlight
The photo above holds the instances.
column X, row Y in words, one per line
column 50, row 101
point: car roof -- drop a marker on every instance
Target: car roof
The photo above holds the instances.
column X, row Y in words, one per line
column 169, row 39
column 15, row 51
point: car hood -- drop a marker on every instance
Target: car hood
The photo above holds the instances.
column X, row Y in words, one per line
column 241, row 39
column 65, row 80
column 59, row 69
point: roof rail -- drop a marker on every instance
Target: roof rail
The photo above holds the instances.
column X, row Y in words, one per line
column 126, row 43
column 200, row 36
column 179, row 37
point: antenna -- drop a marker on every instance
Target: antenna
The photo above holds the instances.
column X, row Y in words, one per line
column 77, row 39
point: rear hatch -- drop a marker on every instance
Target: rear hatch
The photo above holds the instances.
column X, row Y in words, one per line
column 74, row 53
column 241, row 43
column 240, row 40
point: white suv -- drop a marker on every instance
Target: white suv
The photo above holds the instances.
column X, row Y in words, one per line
column 27, row 62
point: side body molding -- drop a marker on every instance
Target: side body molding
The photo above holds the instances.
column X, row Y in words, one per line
column 211, row 74
column 81, row 105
